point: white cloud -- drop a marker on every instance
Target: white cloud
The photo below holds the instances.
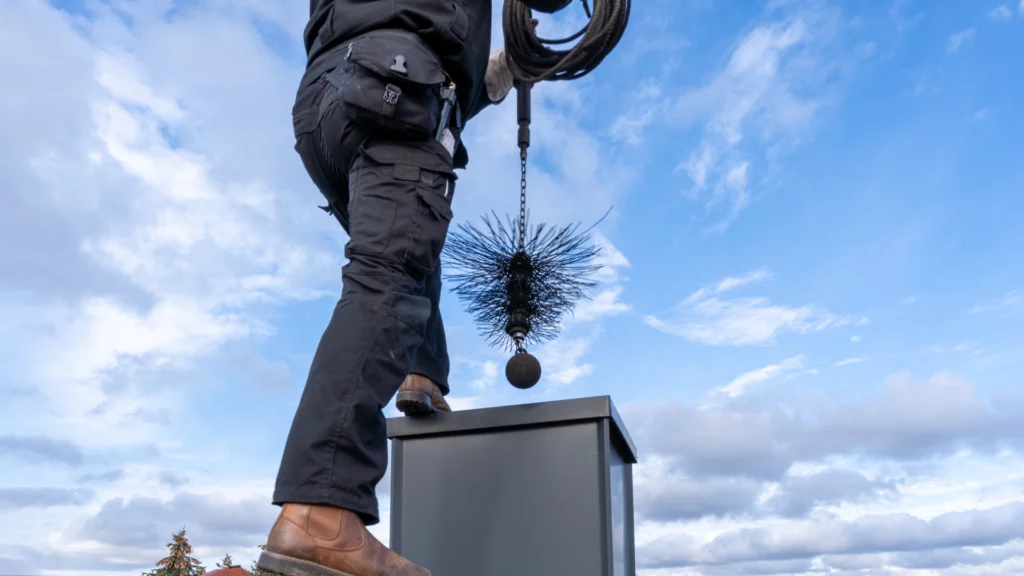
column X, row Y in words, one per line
column 488, row 376
column 958, row 39
column 972, row 348
column 908, row 420
column 809, row 539
column 736, row 179
column 120, row 75
column 604, row 304
column 105, row 332
column 910, row 479
column 611, row 260
column 664, row 495
column 705, row 318
column 761, row 102
column 1020, row 8
column 561, row 360
column 732, row 283
column 855, row 338
column 1001, row 13
column 609, row 289
column 199, row 249
column 849, row 361
column 758, row 104
column 741, row 382
column 1011, row 301
column 193, row 242
column 647, row 106
column 465, row 402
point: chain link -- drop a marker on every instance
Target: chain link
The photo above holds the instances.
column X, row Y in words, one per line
column 522, row 200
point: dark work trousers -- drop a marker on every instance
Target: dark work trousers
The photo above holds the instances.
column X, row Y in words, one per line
column 393, row 197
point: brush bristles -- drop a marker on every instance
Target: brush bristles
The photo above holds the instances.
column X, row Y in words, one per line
column 562, row 261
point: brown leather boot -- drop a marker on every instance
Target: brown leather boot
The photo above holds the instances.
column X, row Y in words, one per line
column 420, row 395
column 309, row 540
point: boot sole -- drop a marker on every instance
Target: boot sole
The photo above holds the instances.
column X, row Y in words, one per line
column 414, row 403
column 286, row 566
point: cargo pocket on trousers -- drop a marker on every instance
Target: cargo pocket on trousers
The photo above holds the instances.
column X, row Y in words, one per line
column 372, row 210
column 418, row 180
column 433, row 212
column 422, row 179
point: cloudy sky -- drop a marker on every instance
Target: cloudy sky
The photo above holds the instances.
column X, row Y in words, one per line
column 811, row 316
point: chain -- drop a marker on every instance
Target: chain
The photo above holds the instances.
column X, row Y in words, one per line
column 522, row 200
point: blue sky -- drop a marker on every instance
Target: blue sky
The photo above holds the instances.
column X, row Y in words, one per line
column 810, row 313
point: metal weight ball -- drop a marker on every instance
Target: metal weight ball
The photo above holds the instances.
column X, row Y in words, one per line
column 523, row 371
column 546, row 6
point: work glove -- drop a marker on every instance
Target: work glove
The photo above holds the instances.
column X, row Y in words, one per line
column 498, row 77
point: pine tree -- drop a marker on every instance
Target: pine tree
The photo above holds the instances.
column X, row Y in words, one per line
column 254, row 570
column 227, row 562
column 180, row 561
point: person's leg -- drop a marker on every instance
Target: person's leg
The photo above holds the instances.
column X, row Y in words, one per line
column 397, row 217
column 336, row 452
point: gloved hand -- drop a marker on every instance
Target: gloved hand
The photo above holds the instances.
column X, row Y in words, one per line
column 498, row 77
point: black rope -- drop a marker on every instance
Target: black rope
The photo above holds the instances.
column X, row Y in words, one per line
column 534, row 60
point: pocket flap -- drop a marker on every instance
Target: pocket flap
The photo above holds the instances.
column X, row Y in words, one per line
column 436, row 202
column 398, row 56
column 409, row 153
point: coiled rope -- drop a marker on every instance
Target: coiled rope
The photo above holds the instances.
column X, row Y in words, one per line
column 534, row 60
